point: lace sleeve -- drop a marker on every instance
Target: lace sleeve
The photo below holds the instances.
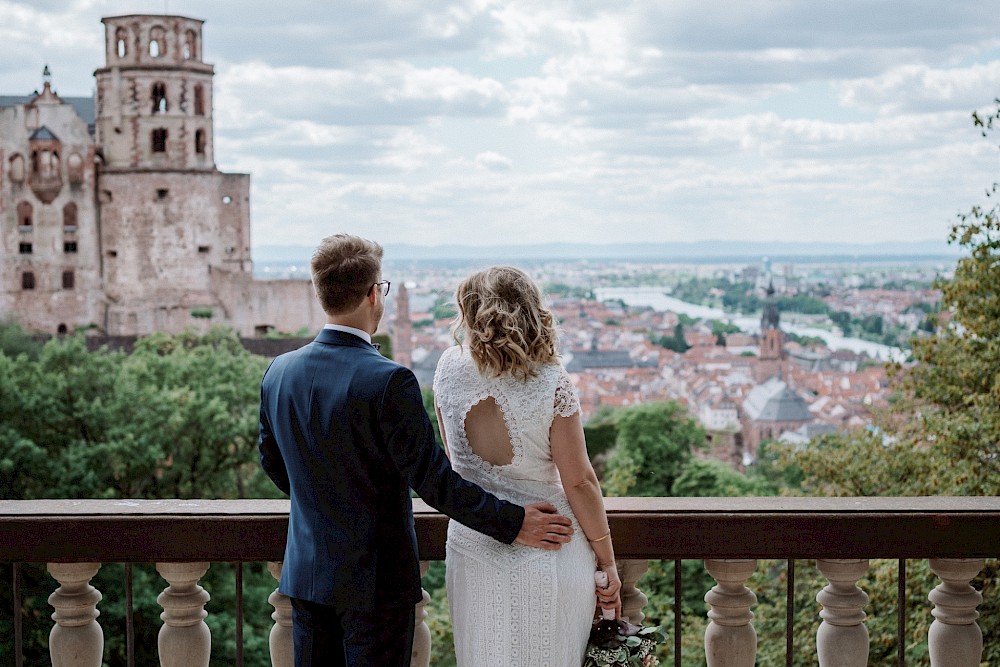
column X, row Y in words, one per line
column 444, row 372
column 567, row 402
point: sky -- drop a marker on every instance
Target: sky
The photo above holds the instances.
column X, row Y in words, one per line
column 483, row 122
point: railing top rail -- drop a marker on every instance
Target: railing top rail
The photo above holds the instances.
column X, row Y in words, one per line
column 255, row 530
column 705, row 505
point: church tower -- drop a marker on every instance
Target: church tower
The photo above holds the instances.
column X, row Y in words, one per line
column 772, row 340
column 402, row 344
column 175, row 231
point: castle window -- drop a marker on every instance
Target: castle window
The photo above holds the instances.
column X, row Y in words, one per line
column 112, row 253
column 69, row 247
column 203, row 249
column 159, row 97
column 199, row 142
column 44, row 164
column 62, row 330
column 69, row 217
column 69, row 281
column 159, row 140
column 199, row 100
column 17, row 169
column 156, row 42
column 121, row 39
column 27, row 280
column 162, row 193
column 190, row 45
column 24, row 216
column 24, row 248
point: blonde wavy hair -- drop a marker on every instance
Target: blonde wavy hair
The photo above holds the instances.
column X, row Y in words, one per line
column 503, row 321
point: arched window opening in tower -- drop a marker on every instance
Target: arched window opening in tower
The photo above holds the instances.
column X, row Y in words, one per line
column 199, row 142
column 159, row 140
column 159, row 96
column 199, row 100
column 27, row 280
column 190, row 45
column 156, row 42
column 121, row 39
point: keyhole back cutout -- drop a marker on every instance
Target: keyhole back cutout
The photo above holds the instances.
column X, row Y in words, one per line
column 487, row 433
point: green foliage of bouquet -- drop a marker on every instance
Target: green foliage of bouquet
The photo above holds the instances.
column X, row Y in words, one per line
column 622, row 643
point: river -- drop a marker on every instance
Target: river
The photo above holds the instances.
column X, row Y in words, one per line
column 657, row 299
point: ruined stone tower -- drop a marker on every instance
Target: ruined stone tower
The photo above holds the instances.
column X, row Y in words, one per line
column 172, row 225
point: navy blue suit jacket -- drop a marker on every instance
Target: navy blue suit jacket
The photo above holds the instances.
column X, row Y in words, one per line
column 343, row 431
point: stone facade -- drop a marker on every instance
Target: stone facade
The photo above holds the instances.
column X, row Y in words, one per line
column 113, row 214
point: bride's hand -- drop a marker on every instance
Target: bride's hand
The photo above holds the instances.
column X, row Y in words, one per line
column 609, row 597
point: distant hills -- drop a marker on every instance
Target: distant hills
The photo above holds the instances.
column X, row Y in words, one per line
column 698, row 251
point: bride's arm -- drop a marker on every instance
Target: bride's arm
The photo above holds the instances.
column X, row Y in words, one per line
column 569, row 453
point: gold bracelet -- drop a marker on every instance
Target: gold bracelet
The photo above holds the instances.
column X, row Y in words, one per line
column 601, row 538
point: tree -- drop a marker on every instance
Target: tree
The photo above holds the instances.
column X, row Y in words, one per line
column 709, row 477
column 677, row 342
column 953, row 390
column 14, row 341
column 600, row 432
column 940, row 434
column 178, row 418
column 654, row 443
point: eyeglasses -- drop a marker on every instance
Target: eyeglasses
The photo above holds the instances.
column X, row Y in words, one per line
column 385, row 292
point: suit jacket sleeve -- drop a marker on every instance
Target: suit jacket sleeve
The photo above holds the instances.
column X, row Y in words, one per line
column 409, row 437
column 270, row 456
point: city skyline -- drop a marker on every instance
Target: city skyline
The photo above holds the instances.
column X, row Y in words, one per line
column 482, row 122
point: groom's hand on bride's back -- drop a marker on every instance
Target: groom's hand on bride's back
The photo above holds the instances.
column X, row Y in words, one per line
column 544, row 527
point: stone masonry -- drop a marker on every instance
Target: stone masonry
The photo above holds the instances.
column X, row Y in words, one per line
column 113, row 215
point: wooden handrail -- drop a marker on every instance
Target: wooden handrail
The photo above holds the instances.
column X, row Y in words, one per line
column 667, row 528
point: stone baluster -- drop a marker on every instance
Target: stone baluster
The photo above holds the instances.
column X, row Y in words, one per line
column 280, row 639
column 421, row 655
column 184, row 639
column 955, row 639
column 633, row 599
column 76, row 639
column 842, row 639
column 730, row 639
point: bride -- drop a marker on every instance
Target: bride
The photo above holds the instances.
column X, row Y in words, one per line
column 510, row 420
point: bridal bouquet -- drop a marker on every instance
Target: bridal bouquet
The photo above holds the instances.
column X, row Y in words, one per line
column 620, row 643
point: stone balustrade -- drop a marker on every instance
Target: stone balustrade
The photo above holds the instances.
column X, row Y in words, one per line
column 729, row 534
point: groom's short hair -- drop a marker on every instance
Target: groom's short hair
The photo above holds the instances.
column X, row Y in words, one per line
column 344, row 268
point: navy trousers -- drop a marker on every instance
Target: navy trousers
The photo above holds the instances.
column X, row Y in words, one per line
column 325, row 637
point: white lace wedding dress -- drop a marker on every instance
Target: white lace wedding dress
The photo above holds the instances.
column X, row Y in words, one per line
column 513, row 605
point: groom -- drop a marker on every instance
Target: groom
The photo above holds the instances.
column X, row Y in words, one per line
column 344, row 432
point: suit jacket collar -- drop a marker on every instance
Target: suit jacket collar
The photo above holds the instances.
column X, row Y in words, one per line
column 334, row 337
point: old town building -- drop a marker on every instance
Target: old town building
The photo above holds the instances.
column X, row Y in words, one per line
column 113, row 214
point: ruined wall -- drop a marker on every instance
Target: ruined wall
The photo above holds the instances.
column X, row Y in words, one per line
column 49, row 242
column 259, row 307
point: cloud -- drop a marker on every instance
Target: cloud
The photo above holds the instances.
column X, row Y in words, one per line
column 491, row 161
column 476, row 120
column 920, row 88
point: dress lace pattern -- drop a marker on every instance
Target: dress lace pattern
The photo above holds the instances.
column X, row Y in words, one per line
column 513, row 605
